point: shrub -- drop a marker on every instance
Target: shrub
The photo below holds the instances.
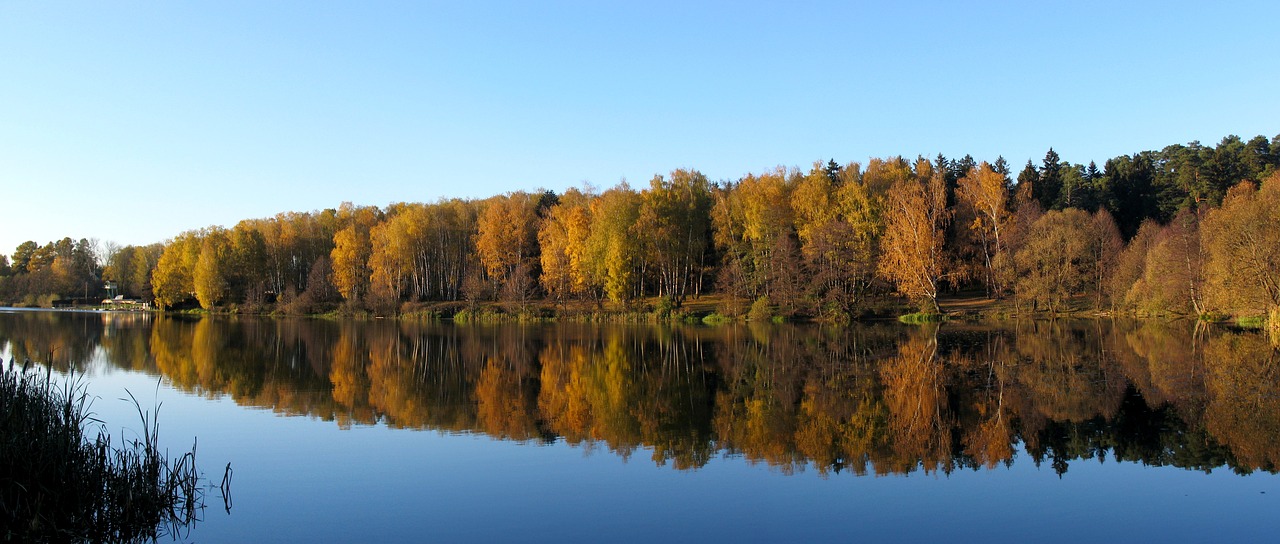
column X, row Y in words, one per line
column 1252, row 321
column 716, row 319
column 760, row 310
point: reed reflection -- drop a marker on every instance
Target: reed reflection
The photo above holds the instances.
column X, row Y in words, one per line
column 866, row 399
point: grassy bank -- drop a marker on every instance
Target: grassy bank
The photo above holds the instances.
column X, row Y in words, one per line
column 62, row 479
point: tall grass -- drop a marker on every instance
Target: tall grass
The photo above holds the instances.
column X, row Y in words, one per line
column 920, row 318
column 62, row 482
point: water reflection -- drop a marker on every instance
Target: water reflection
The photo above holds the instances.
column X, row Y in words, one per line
column 869, row 399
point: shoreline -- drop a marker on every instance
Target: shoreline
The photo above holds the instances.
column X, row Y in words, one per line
column 963, row 309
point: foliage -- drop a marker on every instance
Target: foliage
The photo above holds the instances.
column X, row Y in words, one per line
column 912, row 248
column 828, row 242
column 673, row 229
column 1242, row 239
column 920, row 318
column 761, row 310
column 986, row 193
column 612, row 252
column 715, row 318
column 1064, row 254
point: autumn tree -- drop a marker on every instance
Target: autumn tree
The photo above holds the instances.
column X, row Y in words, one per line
column 173, row 280
column 351, row 250
column 1242, row 240
column 1105, row 248
column 1060, row 257
column 130, row 267
column 838, row 223
column 507, row 240
column 395, row 248
column 1173, row 272
column 210, row 274
column 749, row 217
column 985, row 192
column 293, row 243
column 1123, row 284
column 912, row 253
column 563, row 240
column 248, row 253
column 612, row 252
column 672, row 227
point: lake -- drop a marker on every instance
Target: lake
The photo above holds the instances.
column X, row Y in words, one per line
column 381, row 430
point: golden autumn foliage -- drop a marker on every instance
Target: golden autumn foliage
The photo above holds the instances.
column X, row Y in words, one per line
column 1065, row 254
column 912, row 254
column 507, row 240
column 351, row 250
column 563, row 238
column 209, row 277
column 830, row 243
column 1242, row 240
column 984, row 191
column 173, row 280
column 672, row 227
column 612, row 252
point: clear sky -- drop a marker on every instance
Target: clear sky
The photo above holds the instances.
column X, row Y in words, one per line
column 134, row 121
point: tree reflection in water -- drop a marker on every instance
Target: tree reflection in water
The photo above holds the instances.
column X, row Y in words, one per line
column 882, row 399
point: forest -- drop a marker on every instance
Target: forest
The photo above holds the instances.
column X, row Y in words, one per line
column 1187, row 230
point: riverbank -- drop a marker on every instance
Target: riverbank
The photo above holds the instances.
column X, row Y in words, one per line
column 971, row 307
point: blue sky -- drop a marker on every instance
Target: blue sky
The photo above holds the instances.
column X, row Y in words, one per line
column 134, row 121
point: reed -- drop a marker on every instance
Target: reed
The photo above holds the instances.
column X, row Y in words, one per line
column 921, row 318
column 63, row 480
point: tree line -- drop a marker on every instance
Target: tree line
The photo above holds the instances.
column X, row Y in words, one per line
column 1189, row 229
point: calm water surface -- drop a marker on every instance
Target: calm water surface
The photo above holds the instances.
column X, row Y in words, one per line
column 384, row 431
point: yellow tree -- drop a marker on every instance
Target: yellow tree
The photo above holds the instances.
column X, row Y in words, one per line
column 248, row 254
column 753, row 227
column 507, row 238
column 1126, row 279
column 612, row 251
column 916, row 219
column 838, row 224
column 1062, row 256
column 983, row 190
column 210, row 274
column 131, row 268
column 1242, row 239
column 672, row 229
column 397, row 259
column 1106, row 246
column 173, row 279
column 1172, row 275
column 351, row 250
column 563, row 239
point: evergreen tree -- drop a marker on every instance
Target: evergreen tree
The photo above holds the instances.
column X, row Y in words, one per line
column 1028, row 179
column 1050, row 186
